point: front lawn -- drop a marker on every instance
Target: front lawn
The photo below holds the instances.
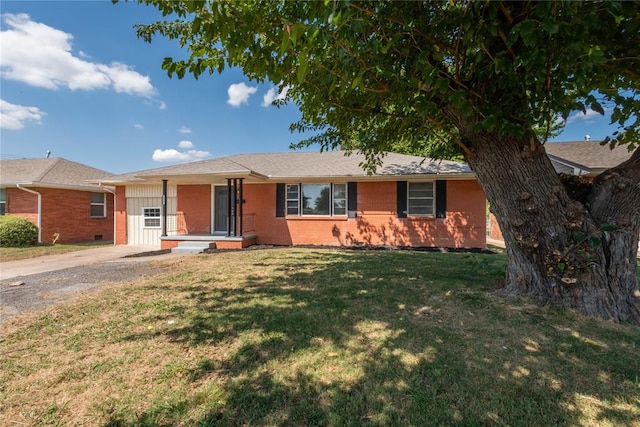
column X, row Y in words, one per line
column 317, row 337
column 26, row 252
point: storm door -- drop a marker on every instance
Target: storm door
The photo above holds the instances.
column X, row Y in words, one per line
column 220, row 210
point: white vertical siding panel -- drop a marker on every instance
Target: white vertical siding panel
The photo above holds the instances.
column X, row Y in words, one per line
column 150, row 191
column 136, row 232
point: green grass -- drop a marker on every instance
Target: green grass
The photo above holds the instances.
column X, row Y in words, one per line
column 26, row 252
column 317, row 337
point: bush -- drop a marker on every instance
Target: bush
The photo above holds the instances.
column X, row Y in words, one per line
column 17, row 231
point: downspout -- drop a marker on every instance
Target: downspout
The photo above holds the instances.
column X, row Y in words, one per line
column 114, row 210
column 39, row 209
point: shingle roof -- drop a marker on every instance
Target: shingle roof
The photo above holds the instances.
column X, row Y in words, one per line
column 50, row 172
column 587, row 155
column 272, row 166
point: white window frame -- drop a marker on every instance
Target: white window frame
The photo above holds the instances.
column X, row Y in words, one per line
column 146, row 217
column 292, row 204
column 103, row 204
column 334, row 199
column 416, row 198
column 295, row 204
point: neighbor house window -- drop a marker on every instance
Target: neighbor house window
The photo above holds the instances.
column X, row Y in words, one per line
column 3, row 201
column 317, row 199
column 420, row 198
column 98, row 205
column 151, row 217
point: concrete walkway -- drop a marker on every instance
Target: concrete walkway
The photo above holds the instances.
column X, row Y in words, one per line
column 24, row 267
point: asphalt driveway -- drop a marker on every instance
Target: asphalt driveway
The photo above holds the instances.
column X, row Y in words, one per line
column 33, row 284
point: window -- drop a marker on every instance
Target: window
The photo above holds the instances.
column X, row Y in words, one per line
column 3, row 201
column 317, row 199
column 98, row 205
column 420, row 198
column 293, row 200
column 151, row 217
column 339, row 199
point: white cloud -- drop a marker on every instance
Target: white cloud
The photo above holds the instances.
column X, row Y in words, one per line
column 184, row 129
column 172, row 155
column 176, row 156
column 163, row 106
column 271, row 96
column 138, row 126
column 41, row 56
column 239, row 93
column 587, row 117
column 13, row 116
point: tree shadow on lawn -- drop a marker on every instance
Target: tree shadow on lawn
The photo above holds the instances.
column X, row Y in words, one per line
column 390, row 338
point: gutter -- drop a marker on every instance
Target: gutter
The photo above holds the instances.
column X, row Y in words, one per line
column 39, row 209
column 114, row 209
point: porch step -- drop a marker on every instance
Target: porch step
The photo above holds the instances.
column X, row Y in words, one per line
column 192, row 247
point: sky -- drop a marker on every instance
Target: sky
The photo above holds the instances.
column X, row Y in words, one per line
column 76, row 82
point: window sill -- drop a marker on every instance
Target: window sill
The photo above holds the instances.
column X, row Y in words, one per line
column 421, row 217
column 315, row 218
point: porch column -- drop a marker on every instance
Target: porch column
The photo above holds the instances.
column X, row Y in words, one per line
column 231, row 214
column 241, row 202
column 164, row 208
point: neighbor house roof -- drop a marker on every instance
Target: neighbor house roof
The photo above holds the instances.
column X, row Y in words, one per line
column 585, row 157
column 296, row 166
column 52, row 172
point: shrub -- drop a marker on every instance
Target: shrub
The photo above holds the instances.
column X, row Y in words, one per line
column 17, row 231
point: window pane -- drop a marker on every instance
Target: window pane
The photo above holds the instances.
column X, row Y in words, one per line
column 421, row 189
column 97, row 197
column 152, row 222
column 292, row 191
column 316, row 199
column 3, row 195
column 97, row 210
column 292, row 207
column 339, row 207
column 339, row 191
column 2, row 208
column 420, row 198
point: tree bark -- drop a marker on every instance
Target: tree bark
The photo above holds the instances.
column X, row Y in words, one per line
column 563, row 252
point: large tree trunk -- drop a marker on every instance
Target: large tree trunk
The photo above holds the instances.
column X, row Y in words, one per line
column 576, row 252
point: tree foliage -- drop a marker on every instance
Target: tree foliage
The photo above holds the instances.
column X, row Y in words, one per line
column 486, row 80
column 367, row 75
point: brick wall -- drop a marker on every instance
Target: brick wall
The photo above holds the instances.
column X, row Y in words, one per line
column 67, row 212
column 377, row 222
column 121, row 216
column 194, row 209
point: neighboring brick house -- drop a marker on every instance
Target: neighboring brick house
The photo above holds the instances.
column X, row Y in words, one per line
column 57, row 196
column 583, row 158
column 302, row 198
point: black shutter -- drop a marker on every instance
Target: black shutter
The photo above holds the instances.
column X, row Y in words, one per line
column 441, row 199
column 352, row 199
column 402, row 199
column 281, row 194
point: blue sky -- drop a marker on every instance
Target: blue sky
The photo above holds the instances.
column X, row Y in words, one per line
column 75, row 80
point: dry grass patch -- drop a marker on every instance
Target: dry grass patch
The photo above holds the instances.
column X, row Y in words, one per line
column 326, row 337
column 27, row 252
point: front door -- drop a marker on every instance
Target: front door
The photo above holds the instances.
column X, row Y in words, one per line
column 221, row 210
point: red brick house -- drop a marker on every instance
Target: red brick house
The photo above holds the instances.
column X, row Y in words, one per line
column 57, row 196
column 301, row 198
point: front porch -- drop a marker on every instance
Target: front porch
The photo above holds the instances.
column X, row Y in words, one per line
column 213, row 241
column 230, row 227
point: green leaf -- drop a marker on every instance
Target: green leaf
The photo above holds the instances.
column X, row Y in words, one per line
column 608, row 227
column 578, row 236
column 303, row 67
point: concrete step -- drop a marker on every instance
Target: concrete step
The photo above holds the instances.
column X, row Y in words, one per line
column 192, row 247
